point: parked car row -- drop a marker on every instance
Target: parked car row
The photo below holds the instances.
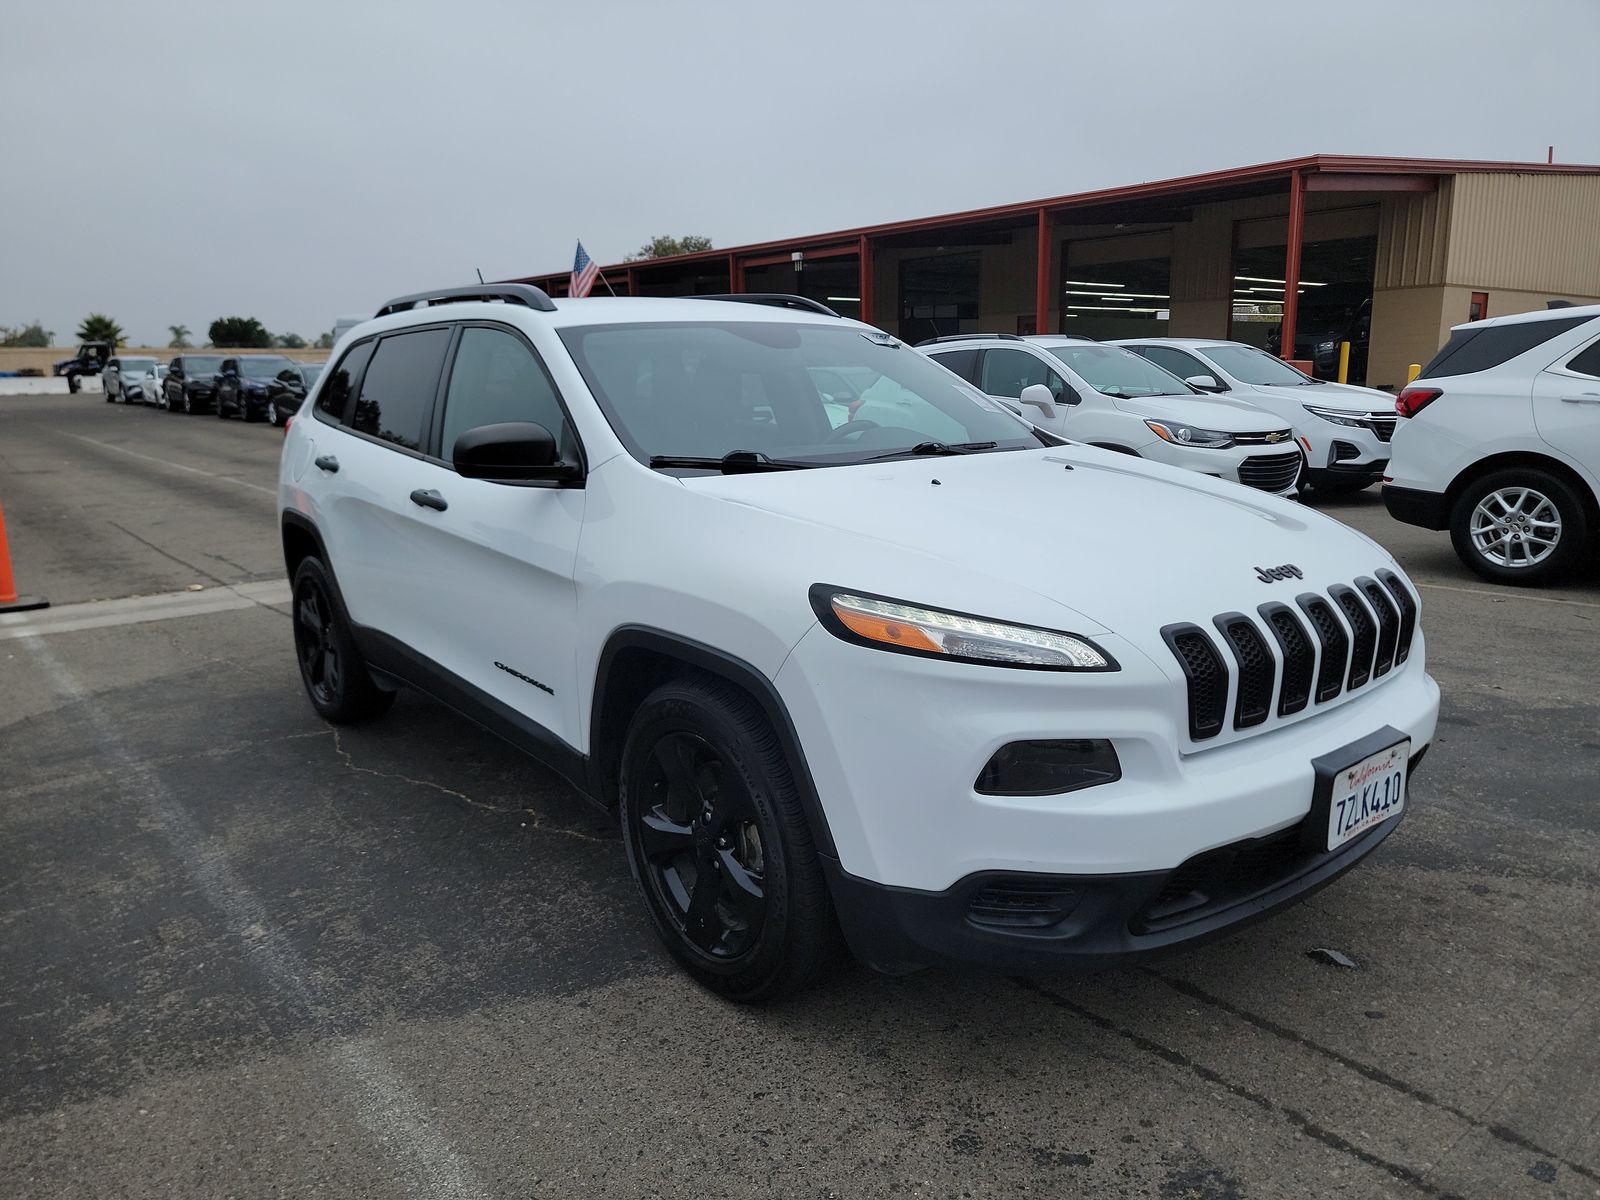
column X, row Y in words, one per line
column 256, row 387
column 1221, row 408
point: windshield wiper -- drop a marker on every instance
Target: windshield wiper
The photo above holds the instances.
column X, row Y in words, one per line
column 934, row 450
column 735, row 462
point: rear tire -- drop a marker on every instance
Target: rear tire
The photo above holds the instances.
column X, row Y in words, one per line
column 719, row 845
column 1520, row 525
column 335, row 675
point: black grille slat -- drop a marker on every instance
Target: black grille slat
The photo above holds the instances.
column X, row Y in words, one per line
column 1299, row 657
column 1257, row 671
column 1363, row 635
column 1382, row 425
column 1206, row 676
column 1388, row 625
column 1408, row 614
column 1335, row 643
column 1270, row 472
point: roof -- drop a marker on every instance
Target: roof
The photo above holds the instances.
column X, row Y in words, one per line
column 1235, row 182
column 1567, row 312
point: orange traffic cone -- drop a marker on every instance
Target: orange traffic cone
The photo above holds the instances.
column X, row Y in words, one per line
column 9, row 600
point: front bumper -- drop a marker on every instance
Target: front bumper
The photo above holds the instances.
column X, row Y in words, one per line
column 1431, row 510
column 1233, row 464
column 1343, row 450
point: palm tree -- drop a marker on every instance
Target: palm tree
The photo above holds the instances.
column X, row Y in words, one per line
column 97, row 327
column 180, row 337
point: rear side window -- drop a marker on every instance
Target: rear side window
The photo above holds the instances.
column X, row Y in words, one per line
column 1478, row 348
column 1586, row 361
column 334, row 399
column 397, row 390
column 496, row 378
column 963, row 362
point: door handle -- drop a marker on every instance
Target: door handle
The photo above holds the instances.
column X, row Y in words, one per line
column 1584, row 398
column 328, row 463
column 429, row 499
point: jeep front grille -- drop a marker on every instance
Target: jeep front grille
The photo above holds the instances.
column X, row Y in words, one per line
column 1336, row 642
column 1270, row 472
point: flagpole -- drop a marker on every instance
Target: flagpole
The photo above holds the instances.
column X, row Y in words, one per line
column 607, row 282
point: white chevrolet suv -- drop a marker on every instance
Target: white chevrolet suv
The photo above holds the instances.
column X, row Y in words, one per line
column 841, row 675
column 1499, row 442
column 1344, row 430
column 1110, row 397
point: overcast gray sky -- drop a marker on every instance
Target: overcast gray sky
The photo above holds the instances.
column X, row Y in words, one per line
column 172, row 161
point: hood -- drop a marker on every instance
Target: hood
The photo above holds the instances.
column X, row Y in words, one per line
column 1183, row 547
column 1210, row 412
column 1342, row 396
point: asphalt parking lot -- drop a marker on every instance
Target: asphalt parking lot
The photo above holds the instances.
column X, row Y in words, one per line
column 242, row 954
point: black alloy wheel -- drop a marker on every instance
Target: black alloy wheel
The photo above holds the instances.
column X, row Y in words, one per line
column 332, row 669
column 719, row 845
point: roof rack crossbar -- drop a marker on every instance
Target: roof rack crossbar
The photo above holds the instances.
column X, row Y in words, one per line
column 775, row 300
column 504, row 293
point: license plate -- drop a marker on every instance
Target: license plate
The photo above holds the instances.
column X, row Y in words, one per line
column 1367, row 793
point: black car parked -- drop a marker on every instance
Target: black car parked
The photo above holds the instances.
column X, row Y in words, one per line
column 288, row 390
column 245, row 384
column 191, row 384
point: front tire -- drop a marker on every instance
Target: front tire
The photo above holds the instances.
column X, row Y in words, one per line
column 719, row 846
column 331, row 668
column 1521, row 525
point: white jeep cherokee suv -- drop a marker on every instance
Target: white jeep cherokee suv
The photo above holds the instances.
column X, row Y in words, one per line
column 1110, row 397
column 1344, row 430
column 841, row 675
column 1499, row 443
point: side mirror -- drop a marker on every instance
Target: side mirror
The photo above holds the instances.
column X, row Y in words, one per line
column 1037, row 395
column 1206, row 383
column 511, row 452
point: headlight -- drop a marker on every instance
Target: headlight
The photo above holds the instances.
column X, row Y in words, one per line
column 886, row 624
column 1190, row 435
column 1334, row 415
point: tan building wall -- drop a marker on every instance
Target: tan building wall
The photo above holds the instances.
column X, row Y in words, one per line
column 1525, row 233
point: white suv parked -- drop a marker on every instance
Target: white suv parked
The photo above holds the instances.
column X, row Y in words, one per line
column 843, row 675
column 1500, row 444
column 1107, row 396
column 1344, row 430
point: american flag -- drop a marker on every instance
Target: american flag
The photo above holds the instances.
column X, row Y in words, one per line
column 584, row 273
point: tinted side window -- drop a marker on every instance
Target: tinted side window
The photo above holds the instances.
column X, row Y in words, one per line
column 963, row 362
column 397, row 390
column 1477, row 349
column 497, row 378
column 1586, row 361
column 1180, row 364
column 334, row 399
column 1007, row 372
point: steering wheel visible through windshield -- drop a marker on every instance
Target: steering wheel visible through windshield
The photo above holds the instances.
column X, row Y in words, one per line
column 802, row 395
column 1118, row 372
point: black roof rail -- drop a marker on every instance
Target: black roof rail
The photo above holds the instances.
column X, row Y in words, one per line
column 505, row 293
column 775, row 300
column 967, row 337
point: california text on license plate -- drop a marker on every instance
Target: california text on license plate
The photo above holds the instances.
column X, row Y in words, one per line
column 1368, row 793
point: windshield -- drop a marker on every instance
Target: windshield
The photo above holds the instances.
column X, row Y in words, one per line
column 1249, row 365
column 1118, row 372
column 310, row 371
column 261, row 368
column 200, row 364
column 817, row 395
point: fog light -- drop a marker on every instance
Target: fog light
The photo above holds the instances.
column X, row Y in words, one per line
column 1048, row 768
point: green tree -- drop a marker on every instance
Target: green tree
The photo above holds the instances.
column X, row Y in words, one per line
column 33, row 335
column 291, row 341
column 97, row 327
column 665, row 246
column 245, row 333
column 324, row 341
column 180, row 337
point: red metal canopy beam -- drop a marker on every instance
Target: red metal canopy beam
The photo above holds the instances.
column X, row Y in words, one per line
column 865, row 269
column 1344, row 181
column 1041, row 284
column 1291, row 264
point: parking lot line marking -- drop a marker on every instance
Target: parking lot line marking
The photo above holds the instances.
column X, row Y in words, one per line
column 254, row 487
column 136, row 610
column 1520, row 595
column 423, row 1159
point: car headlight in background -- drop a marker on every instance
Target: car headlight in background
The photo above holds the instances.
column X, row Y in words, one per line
column 1334, row 415
column 886, row 624
column 1180, row 434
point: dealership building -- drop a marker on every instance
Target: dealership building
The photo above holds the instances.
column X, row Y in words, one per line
column 1385, row 254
